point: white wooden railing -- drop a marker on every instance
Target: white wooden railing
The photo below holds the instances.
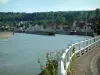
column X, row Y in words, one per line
column 76, row 49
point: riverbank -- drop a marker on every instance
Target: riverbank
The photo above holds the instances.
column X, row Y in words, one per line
column 58, row 32
column 98, row 65
column 6, row 34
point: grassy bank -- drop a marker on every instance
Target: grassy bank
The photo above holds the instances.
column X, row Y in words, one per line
column 6, row 34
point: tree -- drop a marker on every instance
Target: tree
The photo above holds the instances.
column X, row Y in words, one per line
column 98, row 28
column 97, row 11
column 97, row 21
column 60, row 20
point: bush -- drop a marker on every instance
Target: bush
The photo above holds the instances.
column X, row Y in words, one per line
column 51, row 67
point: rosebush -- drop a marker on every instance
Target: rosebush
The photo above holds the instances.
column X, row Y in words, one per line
column 51, row 67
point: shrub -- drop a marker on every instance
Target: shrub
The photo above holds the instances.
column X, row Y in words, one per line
column 51, row 67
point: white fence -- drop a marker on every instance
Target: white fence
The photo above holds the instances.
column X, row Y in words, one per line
column 76, row 49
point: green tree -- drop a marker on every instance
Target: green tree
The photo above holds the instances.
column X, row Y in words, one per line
column 97, row 21
column 60, row 20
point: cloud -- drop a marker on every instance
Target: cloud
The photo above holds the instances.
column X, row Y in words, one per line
column 91, row 8
column 3, row 1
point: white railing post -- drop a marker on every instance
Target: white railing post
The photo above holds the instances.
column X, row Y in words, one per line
column 67, row 57
column 83, row 45
column 99, row 40
column 66, row 60
column 89, row 41
column 95, row 41
column 86, row 45
column 79, row 48
column 91, row 44
column 61, row 70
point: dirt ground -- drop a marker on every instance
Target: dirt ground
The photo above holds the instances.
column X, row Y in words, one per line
column 6, row 34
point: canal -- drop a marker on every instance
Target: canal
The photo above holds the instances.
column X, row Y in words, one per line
column 19, row 54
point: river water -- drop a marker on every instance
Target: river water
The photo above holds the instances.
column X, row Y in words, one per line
column 19, row 54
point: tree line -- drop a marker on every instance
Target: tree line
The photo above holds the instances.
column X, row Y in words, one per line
column 45, row 18
column 61, row 17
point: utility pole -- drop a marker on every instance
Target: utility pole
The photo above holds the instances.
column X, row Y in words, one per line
column 52, row 19
column 86, row 26
column 36, row 18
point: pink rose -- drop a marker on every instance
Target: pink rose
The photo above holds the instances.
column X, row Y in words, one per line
column 45, row 67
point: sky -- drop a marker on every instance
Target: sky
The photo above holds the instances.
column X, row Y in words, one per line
column 30, row 6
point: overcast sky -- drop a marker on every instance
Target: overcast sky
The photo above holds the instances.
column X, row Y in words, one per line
column 47, row 5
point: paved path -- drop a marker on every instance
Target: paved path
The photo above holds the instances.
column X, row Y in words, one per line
column 86, row 64
column 98, row 64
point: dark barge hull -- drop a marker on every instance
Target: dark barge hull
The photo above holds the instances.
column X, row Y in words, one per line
column 39, row 32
